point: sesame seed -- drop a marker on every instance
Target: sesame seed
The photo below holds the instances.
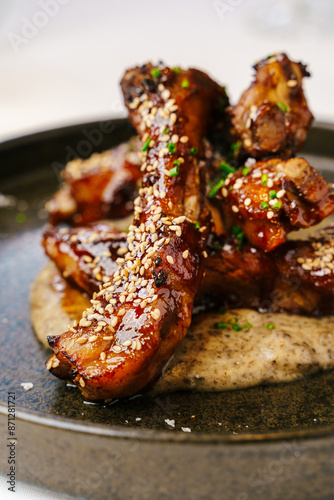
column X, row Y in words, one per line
column 224, row 192
column 235, row 209
column 184, row 139
column 127, row 343
column 170, row 259
column 49, row 364
column 292, row 83
column 114, row 320
column 93, row 338
column 109, row 337
column 165, row 94
column 82, row 382
column 179, row 220
column 173, row 118
column 270, row 214
column 247, row 143
column 175, row 138
column 270, row 183
column 117, row 348
column 103, row 356
column 98, row 329
column 87, row 258
column 185, row 254
column 280, row 193
column 247, row 202
column 55, row 363
column 155, row 314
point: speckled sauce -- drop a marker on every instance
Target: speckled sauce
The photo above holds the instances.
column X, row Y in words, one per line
column 268, row 348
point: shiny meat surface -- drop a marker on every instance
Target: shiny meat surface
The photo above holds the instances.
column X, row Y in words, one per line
column 272, row 117
column 103, row 186
column 138, row 318
column 274, row 197
column 297, row 277
column 86, row 255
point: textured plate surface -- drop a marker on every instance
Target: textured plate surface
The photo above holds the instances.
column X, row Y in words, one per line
column 29, row 175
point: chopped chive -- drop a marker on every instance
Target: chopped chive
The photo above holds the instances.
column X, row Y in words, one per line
column 177, row 70
column 146, row 145
column 248, row 326
column 21, row 217
column 236, row 327
column 264, row 179
column 155, row 72
column 264, row 204
column 277, row 205
column 174, row 172
column 171, row 147
column 221, row 325
column 185, row 84
column 177, row 163
column 269, row 57
column 166, row 131
column 236, row 230
column 272, row 194
column 197, row 226
column 193, row 151
column 226, row 167
column 282, row 106
column 235, row 147
column 214, row 190
column 270, row 326
column 245, row 171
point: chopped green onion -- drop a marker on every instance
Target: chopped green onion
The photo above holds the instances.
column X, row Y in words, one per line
column 270, row 326
column 174, row 172
column 171, row 147
column 21, row 217
column 146, row 145
column 236, row 230
column 264, row 179
column 235, row 147
column 282, row 106
column 227, row 168
column 197, row 226
column 248, row 326
column 272, row 194
column 277, row 205
column 193, row 151
column 269, row 57
column 236, row 327
column 177, row 163
column 155, row 72
column 185, row 84
column 245, row 171
column 264, row 204
column 177, row 70
column 214, row 190
column 221, row 325
column 166, row 131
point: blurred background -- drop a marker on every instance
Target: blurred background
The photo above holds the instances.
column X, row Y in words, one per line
column 61, row 60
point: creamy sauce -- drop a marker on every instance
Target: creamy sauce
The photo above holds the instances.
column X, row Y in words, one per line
column 209, row 358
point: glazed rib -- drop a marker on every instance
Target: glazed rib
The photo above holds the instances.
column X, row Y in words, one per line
column 273, row 197
column 137, row 319
column 272, row 118
column 297, row 277
column 102, row 186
